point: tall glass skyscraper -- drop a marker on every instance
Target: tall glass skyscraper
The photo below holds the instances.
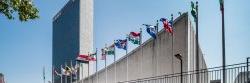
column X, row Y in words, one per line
column 72, row 35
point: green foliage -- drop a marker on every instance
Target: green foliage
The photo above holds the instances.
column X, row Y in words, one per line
column 24, row 8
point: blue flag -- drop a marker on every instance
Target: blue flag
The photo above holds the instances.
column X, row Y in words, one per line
column 121, row 44
column 151, row 30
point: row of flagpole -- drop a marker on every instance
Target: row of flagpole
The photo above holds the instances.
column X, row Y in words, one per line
column 136, row 38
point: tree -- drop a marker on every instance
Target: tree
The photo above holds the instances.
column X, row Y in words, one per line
column 24, row 8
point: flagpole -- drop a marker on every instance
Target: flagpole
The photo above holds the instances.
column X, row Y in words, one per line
column 141, row 49
column 197, row 43
column 76, row 71
column 88, row 67
column 127, row 58
column 52, row 74
column 66, row 78
column 223, row 42
column 96, row 68
column 43, row 74
column 115, row 60
column 71, row 75
column 105, row 64
column 61, row 74
column 172, row 44
column 156, row 48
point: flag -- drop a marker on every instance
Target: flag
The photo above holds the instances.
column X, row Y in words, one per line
column 68, row 69
column 82, row 58
column 110, row 50
column 151, row 30
column 92, row 57
column 103, row 54
column 64, row 72
column 121, row 44
column 221, row 5
column 74, row 69
column 55, row 72
column 167, row 25
column 134, row 37
column 193, row 10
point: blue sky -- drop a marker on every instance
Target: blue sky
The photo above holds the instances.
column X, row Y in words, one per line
column 25, row 47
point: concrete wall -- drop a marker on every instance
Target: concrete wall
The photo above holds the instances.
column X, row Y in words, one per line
column 155, row 57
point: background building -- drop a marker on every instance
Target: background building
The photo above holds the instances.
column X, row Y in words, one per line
column 72, row 35
column 2, row 78
column 155, row 57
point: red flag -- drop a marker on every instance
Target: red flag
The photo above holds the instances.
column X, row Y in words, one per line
column 166, row 25
column 83, row 58
column 135, row 34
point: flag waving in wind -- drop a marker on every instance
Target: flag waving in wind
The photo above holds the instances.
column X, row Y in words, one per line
column 121, row 44
column 151, row 30
column 92, row 57
column 134, row 37
column 110, row 50
column 104, row 53
column 82, row 58
column 167, row 25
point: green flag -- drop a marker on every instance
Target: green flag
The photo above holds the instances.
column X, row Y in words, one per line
column 134, row 37
column 193, row 10
column 110, row 50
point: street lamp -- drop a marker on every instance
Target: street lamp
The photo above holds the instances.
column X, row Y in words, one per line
column 178, row 56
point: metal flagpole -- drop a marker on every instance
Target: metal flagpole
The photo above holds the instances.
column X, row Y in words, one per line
column 88, row 72
column 65, row 76
column 156, row 48
column 127, row 58
column 141, row 49
column 172, row 44
column 52, row 72
column 197, row 44
column 105, row 64
column 88, row 68
column 76, row 71
column 115, row 60
column 71, row 74
column 61, row 74
column 96, row 68
column 223, row 42
column 43, row 74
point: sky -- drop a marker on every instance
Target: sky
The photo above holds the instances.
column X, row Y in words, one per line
column 26, row 47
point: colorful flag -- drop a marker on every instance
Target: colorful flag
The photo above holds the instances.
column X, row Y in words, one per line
column 56, row 73
column 167, row 25
column 193, row 10
column 134, row 37
column 68, row 69
column 110, row 50
column 82, row 58
column 103, row 54
column 64, row 72
column 74, row 69
column 92, row 57
column 121, row 44
column 221, row 5
column 151, row 30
